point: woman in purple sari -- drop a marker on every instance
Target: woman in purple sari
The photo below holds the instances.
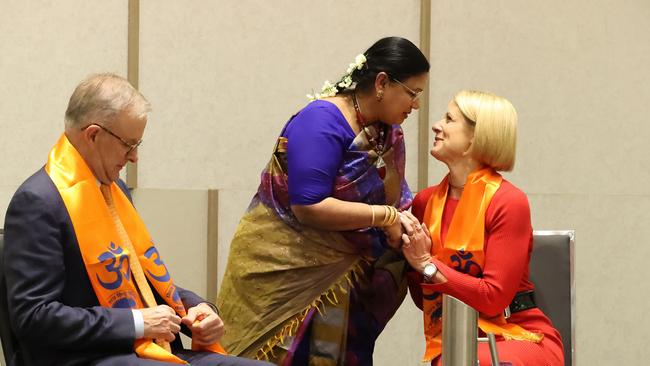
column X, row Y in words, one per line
column 311, row 276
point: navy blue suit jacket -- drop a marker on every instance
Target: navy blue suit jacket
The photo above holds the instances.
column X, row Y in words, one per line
column 54, row 311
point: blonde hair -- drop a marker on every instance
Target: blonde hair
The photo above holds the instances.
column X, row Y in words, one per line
column 495, row 127
column 99, row 97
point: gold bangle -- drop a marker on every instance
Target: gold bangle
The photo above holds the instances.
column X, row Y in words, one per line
column 396, row 215
column 372, row 209
column 393, row 215
column 389, row 216
column 386, row 216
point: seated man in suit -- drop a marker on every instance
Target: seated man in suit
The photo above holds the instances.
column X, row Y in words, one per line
column 85, row 282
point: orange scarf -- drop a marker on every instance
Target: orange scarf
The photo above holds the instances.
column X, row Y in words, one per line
column 463, row 250
column 106, row 260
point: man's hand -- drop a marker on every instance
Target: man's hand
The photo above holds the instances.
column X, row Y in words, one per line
column 205, row 324
column 160, row 322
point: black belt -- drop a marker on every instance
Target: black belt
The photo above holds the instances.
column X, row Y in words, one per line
column 523, row 301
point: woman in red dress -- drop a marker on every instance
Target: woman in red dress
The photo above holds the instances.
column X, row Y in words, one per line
column 476, row 237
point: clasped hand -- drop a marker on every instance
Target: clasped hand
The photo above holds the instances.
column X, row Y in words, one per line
column 161, row 322
column 416, row 241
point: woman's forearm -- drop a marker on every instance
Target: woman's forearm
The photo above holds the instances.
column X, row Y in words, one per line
column 337, row 215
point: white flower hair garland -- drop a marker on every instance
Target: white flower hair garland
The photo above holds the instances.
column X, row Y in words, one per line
column 330, row 90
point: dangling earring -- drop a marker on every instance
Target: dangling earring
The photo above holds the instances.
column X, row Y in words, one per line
column 380, row 95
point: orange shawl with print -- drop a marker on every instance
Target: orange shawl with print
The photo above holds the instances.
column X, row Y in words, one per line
column 105, row 258
column 463, row 250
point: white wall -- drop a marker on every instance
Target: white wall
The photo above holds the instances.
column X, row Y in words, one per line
column 223, row 77
column 578, row 74
column 46, row 48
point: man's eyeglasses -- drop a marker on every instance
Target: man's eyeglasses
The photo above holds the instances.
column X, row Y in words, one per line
column 128, row 145
column 415, row 95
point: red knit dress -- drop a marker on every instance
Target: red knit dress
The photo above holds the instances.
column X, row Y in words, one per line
column 508, row 244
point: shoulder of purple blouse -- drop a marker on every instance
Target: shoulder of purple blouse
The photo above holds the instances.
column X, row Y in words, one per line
column 324, row 108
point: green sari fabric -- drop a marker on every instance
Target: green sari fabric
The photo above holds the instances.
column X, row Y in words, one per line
column 279, row 270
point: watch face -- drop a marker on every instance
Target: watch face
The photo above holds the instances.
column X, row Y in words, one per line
column 429, row 269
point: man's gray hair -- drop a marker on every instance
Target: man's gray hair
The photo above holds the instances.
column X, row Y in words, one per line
column 99, row 97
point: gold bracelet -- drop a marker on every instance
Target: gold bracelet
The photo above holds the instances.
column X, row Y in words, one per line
column 384, row 223
column 393, row 216
column 390, row 216
column 372, row 209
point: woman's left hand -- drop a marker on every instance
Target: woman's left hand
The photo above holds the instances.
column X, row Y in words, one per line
column 416, row 240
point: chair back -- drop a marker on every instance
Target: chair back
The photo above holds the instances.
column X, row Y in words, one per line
column 551, row 270
column 10, row 347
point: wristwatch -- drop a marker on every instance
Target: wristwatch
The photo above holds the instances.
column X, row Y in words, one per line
column 429, row 271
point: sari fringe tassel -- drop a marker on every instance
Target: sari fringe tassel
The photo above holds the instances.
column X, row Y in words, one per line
column 292, row 325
